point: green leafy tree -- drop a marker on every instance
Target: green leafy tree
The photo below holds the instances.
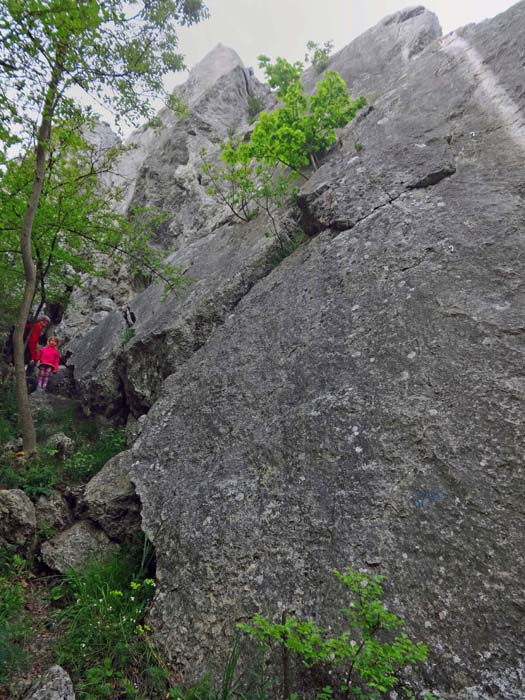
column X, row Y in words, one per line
column 75, row 221
column 116, row 51
column 367, row 658
column 247, row 186
column 319, row 56
column 262, row 173
column 296, row 133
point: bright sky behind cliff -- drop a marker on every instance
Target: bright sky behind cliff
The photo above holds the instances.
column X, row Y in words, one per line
column 282, row 27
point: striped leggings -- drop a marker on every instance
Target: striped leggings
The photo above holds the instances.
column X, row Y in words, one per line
column 43, row 375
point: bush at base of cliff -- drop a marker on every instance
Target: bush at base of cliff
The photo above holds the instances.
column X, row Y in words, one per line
column 368, row 660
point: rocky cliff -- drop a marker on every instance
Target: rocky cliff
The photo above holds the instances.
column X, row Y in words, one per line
column 361, row 402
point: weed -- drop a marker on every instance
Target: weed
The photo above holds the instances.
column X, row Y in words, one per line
column 358, row 146
column 39, row 475
column 127, row 335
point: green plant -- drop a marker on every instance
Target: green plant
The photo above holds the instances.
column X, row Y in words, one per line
column 248, row 186
column 368, row 658
column 40, row 474
column 91, row 457
column 358, row 146
column 127, row 335
column 14, row 625
column 296, row 133
column 105, row 643
column 319, row 56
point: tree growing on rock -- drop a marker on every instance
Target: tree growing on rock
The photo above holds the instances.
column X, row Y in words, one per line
column 262, row 173
column 115, row 51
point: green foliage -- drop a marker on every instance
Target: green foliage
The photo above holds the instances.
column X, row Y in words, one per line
column 282, row 74
column 75, row 222
column 116, row 51
column 296, row 133
column 14, row 624
column 319, row 56
column 248, row 186
column 261, row 174
column 127, row 335
column 105, row 643
column 369, row 655
column 40, row 474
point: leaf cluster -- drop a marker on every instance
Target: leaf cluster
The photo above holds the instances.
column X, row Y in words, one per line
column 303, row 127
column 319, row 56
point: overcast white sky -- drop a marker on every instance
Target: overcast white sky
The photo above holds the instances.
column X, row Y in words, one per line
column 282, row 27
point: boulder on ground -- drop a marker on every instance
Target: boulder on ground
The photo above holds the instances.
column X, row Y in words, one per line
column 63, row 444
column 52, row 511
column 111, row 500
column 76, row 546
column 55, row 684
column 17, row 517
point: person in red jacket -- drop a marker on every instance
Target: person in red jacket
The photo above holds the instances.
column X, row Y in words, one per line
column 49, row 358
column 38, row 328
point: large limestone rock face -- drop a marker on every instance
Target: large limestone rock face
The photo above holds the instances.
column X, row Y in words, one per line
column 363, row 403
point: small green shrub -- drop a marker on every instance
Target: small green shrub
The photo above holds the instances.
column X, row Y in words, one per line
column 36, row 477
column 367, row 659
column 39, row 475
column 319, row 56
column 90, row 458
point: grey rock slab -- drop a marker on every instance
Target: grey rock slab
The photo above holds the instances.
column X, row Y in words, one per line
column 76, row 546
column 17, row 517
column 55, row 684
column 363, row 404
column 111, row 502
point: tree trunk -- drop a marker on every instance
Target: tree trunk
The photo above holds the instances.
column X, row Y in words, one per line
column 25, row 418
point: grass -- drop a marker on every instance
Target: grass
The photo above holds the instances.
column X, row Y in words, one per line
column 14, row 621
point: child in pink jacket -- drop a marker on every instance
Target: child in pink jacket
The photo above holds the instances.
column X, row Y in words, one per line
column 49, row 358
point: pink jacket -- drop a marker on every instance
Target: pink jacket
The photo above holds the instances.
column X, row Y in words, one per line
column 49, row 355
